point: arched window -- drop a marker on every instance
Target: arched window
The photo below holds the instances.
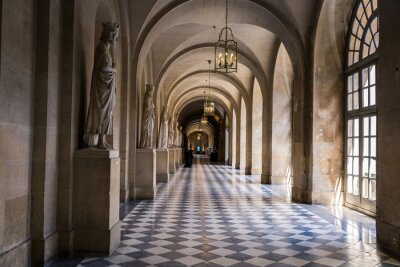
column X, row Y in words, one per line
column 360, row 107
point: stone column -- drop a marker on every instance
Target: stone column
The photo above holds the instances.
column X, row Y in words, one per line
column 176, row 153
column 162, row 165
column 238, row 123
column 171, row 160
column 145, row 182
column 229, row 145
column 249, row 139
column 180, row 156
column 96, row 222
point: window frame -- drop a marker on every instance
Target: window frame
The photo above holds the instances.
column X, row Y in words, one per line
column 358, row 202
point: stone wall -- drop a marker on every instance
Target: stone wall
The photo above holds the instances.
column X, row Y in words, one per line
column 281, row 119
column 388, row 189
column 16, row 120
column 328, row 95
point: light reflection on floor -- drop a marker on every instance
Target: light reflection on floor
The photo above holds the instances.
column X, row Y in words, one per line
column 212, row 215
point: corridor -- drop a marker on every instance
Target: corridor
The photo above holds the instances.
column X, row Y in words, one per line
column 210, row 215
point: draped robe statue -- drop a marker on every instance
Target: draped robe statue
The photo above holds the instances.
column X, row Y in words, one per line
column 176, row 135
column 171, row 134
column 163, row 133
column 99, row 121
column 148, row 116
column 180, row 137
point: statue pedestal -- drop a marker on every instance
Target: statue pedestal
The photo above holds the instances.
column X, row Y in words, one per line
column 162, row 169
column 171, row 156
column 96, row 223
column 145, row 182
column 177, row 157
column 180, row 157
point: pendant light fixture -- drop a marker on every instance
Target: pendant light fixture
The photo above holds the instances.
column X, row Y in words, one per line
column 204, row 119
column 209, row 106
column 226, row 48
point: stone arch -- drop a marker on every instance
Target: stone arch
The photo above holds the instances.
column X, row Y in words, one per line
column 243, row 136
column 257, row 110
column 282, row 121
column 327, row 172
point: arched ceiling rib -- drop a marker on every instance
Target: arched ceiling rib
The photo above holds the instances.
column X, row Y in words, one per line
column 179, row 37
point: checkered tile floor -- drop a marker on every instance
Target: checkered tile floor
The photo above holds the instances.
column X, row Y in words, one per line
column 211, row 216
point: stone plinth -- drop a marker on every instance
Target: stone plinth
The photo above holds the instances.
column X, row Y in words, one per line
column 162, row 166
column 176, row 152
column 145, row 183
column 96, row 223
column 171, row 159
column 180, row 157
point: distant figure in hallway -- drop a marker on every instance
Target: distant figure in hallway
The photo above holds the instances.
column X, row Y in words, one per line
column 146, row 138
column 188, row 158
column 163, row 133
column 99, row 120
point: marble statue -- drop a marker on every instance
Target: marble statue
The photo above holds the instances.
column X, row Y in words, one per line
column 176, row 135
column 163, row 133
column 171, row 134
column 148, row 116
column 99, row 120
column 180, row 137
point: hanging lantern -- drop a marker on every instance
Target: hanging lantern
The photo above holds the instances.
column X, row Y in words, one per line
column 226, row 49
column 209, row 106
column 204, row 120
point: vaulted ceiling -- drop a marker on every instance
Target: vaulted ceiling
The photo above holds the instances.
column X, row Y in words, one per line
column 177, row 38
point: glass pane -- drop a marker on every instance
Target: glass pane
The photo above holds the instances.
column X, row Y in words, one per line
column 372, row 74
column 366, row 147
column 350, row 128
column 356, row 147
column 373, row 125
column 350, row 147
column 365, row 50
column 373, row 147
column 356, row 127
column 360, row 11
column 375, row 4
column 368, row 9
column 355, row 81
column 350, row 184
column 372, row 48
column 350, row 84
column 368, row 39
column 372, row 92
column 366, row 126
column 365, row 170
column 356, row 57
column 356, row 186
column 377, row 39
column 364, row 21
column 365, row 98
column 372, row 190
column 357, row 44
column 349, row 165
column 356, row 166
column 364, row 81
column 350, row 59
column 365, row 190
column 350, row 102
column 356, row 100
column 372, row 169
